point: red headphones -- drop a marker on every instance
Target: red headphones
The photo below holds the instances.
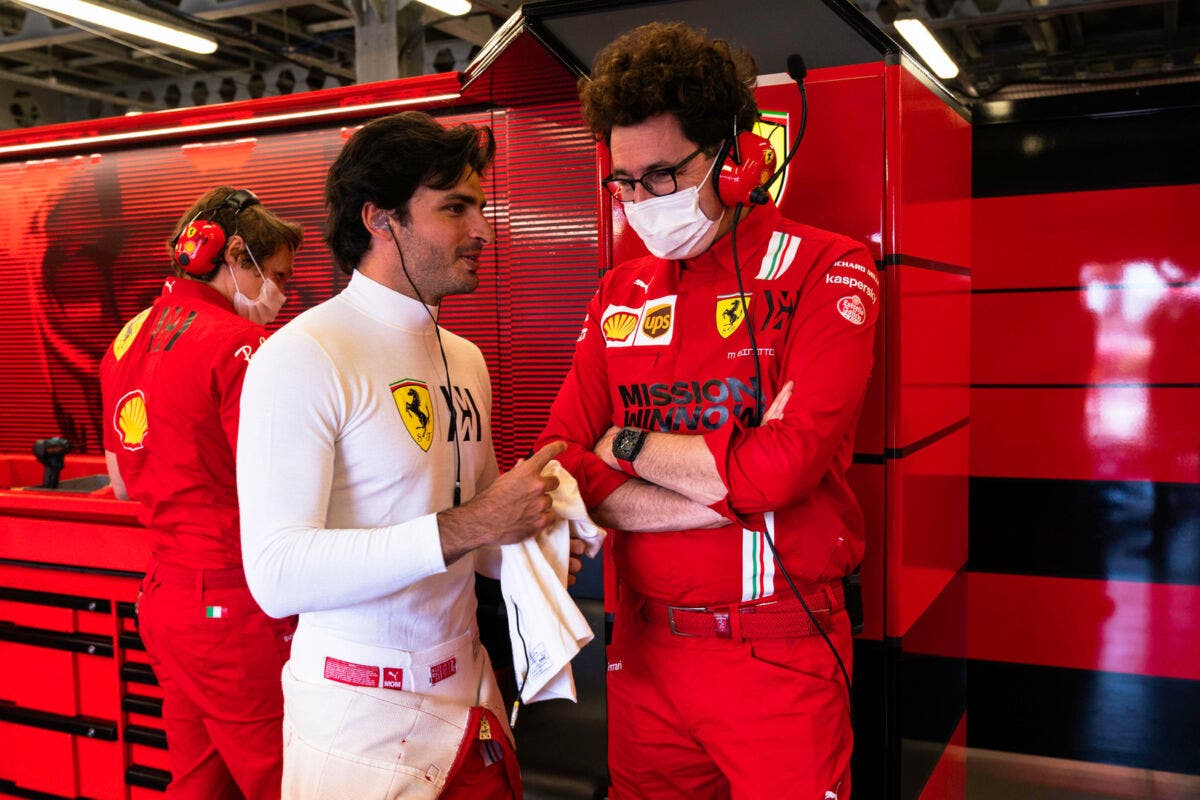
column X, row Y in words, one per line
column 200, row 246
column 743, row 164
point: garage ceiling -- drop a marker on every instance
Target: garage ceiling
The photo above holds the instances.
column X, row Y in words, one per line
column 52, row 71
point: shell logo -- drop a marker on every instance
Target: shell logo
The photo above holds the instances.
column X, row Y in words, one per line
column 130, row 420
column 618, row 326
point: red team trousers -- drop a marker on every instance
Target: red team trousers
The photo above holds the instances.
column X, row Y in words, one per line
column 693, row 718
column 218, row 659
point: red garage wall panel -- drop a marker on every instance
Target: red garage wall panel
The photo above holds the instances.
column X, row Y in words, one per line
column 1085, row 454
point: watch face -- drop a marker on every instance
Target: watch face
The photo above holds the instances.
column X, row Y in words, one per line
column 625, row 443
column 620, row 446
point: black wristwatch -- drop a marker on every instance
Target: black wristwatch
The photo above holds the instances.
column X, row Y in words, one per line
column 626, row 446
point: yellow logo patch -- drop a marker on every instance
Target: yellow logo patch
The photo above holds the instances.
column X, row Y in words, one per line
column 618, row 326
column 131, row 420
column 773, row 126
column 731, row 311
column 657, row 321
column 128, row 334
column 416, row 410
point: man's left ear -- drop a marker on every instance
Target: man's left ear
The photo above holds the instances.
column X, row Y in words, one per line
column 235, row 251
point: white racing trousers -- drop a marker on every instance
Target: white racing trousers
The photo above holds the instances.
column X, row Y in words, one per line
column 371, row 723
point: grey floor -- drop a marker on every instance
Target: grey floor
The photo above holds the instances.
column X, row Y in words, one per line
column 993, row 775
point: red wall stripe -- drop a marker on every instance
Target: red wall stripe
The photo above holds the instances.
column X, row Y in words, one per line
column 1115, row 626
column 1142, row 333
column 1079, row 238
column 930, row 351
column 931, row 166
column 1099, row 433
column 927, row 534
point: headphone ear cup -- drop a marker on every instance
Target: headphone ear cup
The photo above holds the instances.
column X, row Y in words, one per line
column 200, row 246
column 736, row 180
column 725, row 166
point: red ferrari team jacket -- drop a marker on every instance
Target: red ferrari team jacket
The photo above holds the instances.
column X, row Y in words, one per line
column 172, row 382
column 666, row 347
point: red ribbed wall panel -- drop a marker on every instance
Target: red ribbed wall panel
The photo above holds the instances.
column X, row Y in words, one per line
column 82, row 251
column 547, row 240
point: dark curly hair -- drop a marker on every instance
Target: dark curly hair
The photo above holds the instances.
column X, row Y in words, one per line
column 263, row 232
column 384, row 163
column 670, row 68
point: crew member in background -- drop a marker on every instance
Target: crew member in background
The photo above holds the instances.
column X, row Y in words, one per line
column 171, row 385
column 720, row 683
column 369, row 485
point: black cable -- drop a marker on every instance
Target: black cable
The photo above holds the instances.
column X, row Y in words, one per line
column 437, row 331
column 760, row 195
column 758, row 414
column 737, row 269
column 512, row 722
column 813, row 619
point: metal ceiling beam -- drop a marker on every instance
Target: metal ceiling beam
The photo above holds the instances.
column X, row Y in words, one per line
column 967, row 13
column 55, row 86
column 1075, row 31
column 329, row 67
column 101, row 48
column 474, row 28
column 34, row 62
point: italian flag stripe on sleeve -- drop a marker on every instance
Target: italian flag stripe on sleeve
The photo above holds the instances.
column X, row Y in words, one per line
column 781, row 250
column 216, row 612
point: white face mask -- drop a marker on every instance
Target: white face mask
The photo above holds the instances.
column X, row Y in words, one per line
column 263, row 309
column 674, row 226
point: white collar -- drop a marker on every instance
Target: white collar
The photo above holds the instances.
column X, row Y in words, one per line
column 388, row 305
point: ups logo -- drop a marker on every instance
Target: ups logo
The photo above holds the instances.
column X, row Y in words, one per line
column 657, row 321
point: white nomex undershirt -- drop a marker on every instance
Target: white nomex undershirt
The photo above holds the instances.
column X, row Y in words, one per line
column 337, row 495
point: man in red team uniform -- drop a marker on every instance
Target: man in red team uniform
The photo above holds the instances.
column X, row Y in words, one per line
column 720, row 683
column 172, row 382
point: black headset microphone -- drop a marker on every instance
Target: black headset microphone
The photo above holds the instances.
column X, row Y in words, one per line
column 759, row 196
column 797, row 71
column 379, row 223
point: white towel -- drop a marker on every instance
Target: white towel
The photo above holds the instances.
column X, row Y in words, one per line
column 543, row 620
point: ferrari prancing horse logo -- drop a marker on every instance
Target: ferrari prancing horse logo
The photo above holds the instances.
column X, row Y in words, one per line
column 416, row 410
column 731, row 312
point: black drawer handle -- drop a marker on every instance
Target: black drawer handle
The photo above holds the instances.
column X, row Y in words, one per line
column 87, row 727
column 88, row 643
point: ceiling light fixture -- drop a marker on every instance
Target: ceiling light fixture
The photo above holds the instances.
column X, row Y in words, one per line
column 927, row 47
column 122, row 22
column 455, row 8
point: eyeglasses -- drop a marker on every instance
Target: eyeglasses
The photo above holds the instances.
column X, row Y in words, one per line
column 658, row 182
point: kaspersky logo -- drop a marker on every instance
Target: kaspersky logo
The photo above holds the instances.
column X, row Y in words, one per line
column 416, row 410
column 131, row 421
